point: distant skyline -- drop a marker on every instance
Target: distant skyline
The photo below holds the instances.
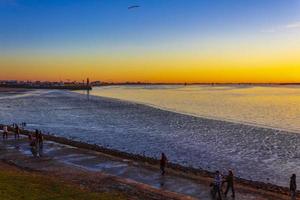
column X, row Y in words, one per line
column 160, row 41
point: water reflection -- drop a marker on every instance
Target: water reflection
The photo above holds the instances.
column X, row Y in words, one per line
column 273, row 106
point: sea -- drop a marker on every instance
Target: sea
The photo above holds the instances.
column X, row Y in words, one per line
column 253, row 130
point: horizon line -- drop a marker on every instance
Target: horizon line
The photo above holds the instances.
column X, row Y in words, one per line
column 161, row 83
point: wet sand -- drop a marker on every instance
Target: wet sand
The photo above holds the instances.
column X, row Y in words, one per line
column 254, row 153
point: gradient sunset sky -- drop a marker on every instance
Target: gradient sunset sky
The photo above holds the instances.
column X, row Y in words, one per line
column 162, row 41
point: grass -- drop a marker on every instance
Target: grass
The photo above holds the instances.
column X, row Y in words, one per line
column 16, row 184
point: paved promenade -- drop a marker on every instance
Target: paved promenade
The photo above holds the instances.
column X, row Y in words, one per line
column 92, row 161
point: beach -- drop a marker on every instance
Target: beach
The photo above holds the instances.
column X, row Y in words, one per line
column 254, row 153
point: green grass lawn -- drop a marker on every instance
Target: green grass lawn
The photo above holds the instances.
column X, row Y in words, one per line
column 16, row 184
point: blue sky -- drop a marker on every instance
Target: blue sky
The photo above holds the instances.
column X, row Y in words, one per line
column 164, row 36
column 54, row 23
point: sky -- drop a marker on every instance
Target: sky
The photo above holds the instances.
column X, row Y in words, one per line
column 161, row 41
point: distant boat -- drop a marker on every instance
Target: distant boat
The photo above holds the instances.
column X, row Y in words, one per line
column 133, row 7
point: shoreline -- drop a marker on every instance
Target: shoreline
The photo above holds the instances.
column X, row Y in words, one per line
column 208, row 152
column 189, row 172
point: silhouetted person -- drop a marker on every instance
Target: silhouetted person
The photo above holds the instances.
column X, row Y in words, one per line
column 293, row 187
column 40, row 143
column 33, row 147
column 218, row 184
column 163, row 163
column 36, row 133
column 229, row 180
column 5, row 132
column 17, row 132
column 23, row 124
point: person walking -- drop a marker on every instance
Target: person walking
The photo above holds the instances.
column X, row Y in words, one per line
column 218, row 184
column 40, row 143
column 33, row 147
column 163, row 163
column 5, row 132
column 36, row 138
column 36, row 135
column 229, row 180
column 17, row 132
column 293, row 187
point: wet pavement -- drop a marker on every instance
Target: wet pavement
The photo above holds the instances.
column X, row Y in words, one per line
column 99, row 162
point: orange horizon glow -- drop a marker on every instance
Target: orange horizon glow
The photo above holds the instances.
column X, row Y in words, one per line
column 248, row 66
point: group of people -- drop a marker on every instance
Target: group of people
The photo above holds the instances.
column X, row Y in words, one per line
column 17, row 130
column 220, row 180
column 36, row 143
column 229, row 179
column 217, row 185
column 35, row 140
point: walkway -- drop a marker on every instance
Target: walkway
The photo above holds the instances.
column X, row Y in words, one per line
column 98, row 162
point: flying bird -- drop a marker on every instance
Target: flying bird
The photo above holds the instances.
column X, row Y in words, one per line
column 133, row 7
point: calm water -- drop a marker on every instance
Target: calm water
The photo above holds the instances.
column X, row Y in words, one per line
column 274, row 106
